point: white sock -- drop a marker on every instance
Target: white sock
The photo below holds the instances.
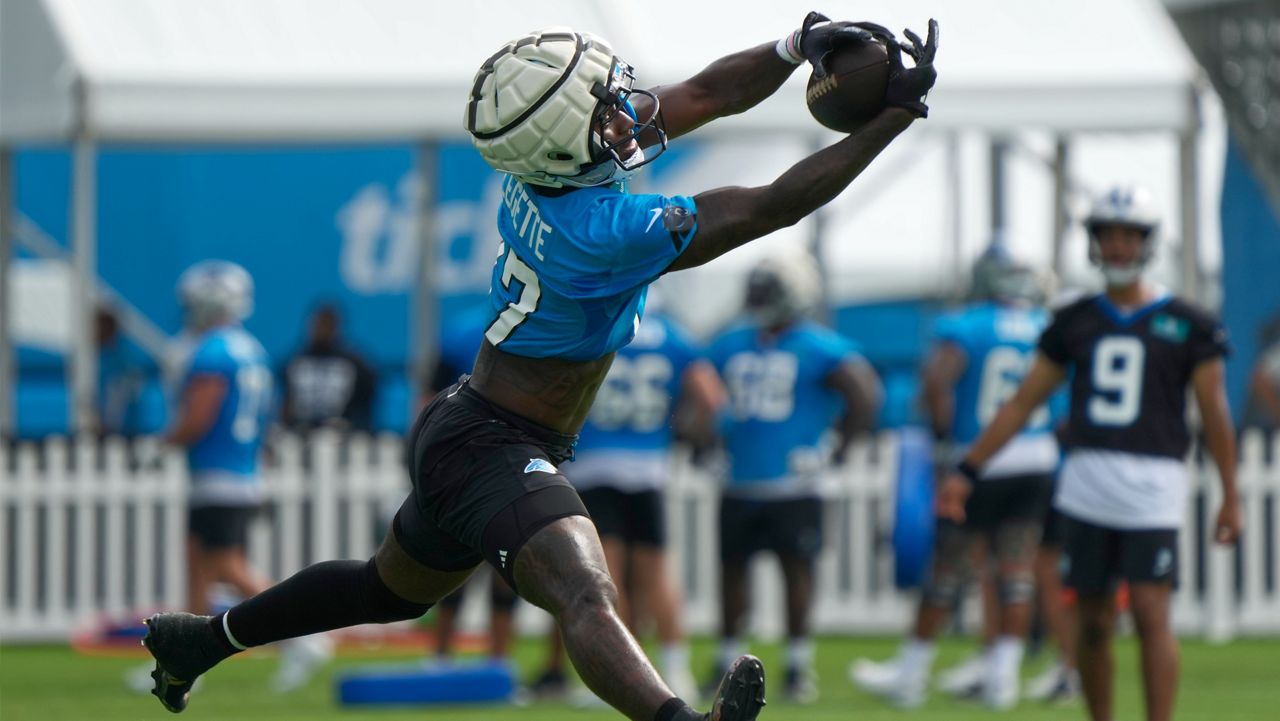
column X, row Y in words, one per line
column 1006, row 656
column 730, row 650
column 675, row 657
column 917, row 657
column 800, row 653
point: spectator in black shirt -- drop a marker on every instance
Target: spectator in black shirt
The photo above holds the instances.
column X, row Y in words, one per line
column 328, row 383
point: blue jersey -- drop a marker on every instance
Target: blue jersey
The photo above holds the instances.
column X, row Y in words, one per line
column 573, row 268
column 633, row 407
column 626, row 441
column 999, row 343
column 224, row 463
column 780, row 406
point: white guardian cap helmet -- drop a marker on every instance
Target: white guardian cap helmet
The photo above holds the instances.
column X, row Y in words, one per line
column 215, row 291
column 1129, row 207
column 783, row 288
column 539, row 105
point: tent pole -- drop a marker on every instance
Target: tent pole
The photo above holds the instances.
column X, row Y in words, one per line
column 1060, row 182
column 424, row 330
column 1189, row 203
column 999, row 216
column 955, row 186
column 8, row 378
column 84, row 372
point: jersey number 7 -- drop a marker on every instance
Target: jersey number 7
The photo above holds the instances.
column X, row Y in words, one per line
column 516, row 312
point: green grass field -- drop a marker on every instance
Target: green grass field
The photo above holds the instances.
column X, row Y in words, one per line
column 1235, row 682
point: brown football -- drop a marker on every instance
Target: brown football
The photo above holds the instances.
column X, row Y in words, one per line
column 852, row 92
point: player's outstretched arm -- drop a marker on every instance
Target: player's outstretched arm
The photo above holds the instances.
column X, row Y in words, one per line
column 738, row 82
column 1039, row 383
column 729, row 217
column 1211, row 396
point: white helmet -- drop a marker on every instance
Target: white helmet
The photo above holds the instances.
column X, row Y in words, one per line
column 1130, row 207
column 215, row 291
column 538, row 106
column 782, row 288
column 998, row 275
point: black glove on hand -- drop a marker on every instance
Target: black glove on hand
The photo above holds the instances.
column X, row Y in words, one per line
column 908, row 86
column 819, row 36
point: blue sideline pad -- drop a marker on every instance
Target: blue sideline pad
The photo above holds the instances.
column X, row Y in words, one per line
column 429, row 683
column 913, row 515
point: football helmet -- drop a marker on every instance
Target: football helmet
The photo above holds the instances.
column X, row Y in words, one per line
column 781, row 289
column 997, row 275
column 1125, row 206
column 213, row 292
column 538, row 108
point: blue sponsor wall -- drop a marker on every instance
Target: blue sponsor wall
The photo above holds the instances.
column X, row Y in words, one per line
column 1250, row 268
column 309, row 223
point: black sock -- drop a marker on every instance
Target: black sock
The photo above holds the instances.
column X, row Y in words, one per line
column 676, row 710
column 322, row 597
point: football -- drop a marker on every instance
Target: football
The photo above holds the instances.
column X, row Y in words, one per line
column 852, row 92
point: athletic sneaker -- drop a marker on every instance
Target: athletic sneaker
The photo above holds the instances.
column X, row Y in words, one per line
column 891, row 682
column 801, row 685
column 184, row 647
column 964, row 680
column 740, row 695
column 999, row 691
column 299, row 658
column 874, row 672
column 1056, row 684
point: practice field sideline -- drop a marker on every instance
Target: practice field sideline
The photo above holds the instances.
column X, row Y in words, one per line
column 1234, row 682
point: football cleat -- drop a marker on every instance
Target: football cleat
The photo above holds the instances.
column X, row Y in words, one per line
column 740, row 695
column 184, row 647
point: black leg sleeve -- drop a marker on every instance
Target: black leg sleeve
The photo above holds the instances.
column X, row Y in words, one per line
column 322, row 597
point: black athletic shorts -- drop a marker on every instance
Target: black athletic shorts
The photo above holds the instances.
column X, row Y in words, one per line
column 636, row 518
column 997, row 500
column 221, row 527
column 484, row 481
column 786, row 527
column 1095, row 557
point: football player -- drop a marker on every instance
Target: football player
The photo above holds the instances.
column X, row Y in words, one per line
column 1132, row 352
column 557, row 112
column 226, row 396
column 980, row 356
column 789, row 379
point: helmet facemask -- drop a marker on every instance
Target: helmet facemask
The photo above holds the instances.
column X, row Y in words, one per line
column 609, row 165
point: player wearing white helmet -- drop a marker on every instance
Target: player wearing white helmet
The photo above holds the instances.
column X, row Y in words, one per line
column 789, row 379
column 225, row 397
column 1130, row 354
column 558, row 113
column 980, row 354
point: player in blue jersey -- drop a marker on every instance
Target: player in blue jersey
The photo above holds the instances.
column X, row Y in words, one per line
column 789, row 379
column 657, row 387
column 558, row 112
column 1130, row 355
column 226, row 396
column 980, row 355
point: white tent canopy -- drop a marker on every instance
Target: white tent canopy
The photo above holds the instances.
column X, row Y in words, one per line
column 274, row 70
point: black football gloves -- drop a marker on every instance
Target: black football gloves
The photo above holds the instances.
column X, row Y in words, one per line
column 819, row 37
column 908, row 86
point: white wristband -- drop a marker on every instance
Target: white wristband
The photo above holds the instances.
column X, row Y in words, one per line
column 788, row 48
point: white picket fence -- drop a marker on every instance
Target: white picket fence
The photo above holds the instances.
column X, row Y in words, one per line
column 94, row 530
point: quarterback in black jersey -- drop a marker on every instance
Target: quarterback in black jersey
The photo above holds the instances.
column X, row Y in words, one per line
column 1132, row 352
